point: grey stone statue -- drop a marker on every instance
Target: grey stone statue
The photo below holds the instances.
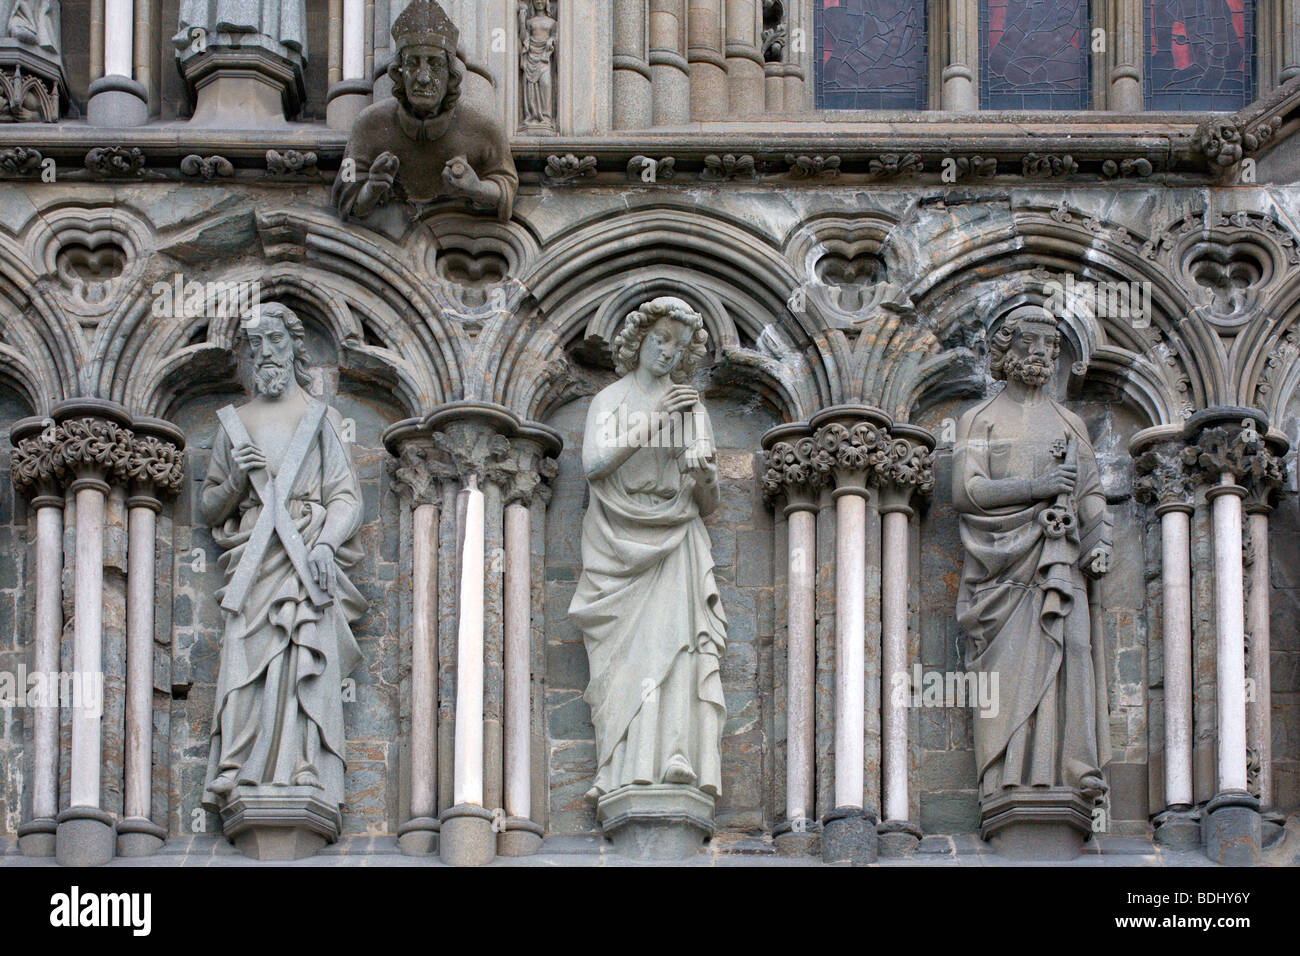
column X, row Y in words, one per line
column 282, row 497
column 646, row 602
column 31, row 61
column 1034, row 523
column 281, row 23
column 536, row 50
column 426, row 142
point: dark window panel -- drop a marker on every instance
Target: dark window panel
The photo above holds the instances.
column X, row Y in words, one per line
column 1034, row 54
column 1200, row 54
column 870, row 54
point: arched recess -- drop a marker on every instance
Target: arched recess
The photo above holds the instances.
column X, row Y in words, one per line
column 40, row 345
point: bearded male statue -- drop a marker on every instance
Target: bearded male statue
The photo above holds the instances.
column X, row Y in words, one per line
column 1035, row 526
column 282, row 498
column 426, row 142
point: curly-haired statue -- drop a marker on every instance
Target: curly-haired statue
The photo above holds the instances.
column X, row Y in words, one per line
column 1035, row 527
column 647, row 603
column 426, row 142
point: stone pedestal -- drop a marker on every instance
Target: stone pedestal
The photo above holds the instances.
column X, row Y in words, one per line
column 137, row 836
column 345, row 101
column 1232, row 828
column 797, row 837
column 897, row 838
column 243, row 87
column 85, row 837
column 465, row 836
column 117, row 101
column 520, row 837
column 1036, row 823
column 1178, row 828
column 849, row 836
column 418, row 837
column 280, row 823
column 662, row 821
column 37, row 837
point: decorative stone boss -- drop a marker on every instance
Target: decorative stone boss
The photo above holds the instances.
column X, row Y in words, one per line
column 647, row 603
column 282, row 498
column 1033, row 523
column 426, row 142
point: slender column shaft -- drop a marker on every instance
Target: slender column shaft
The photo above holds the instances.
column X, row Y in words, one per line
column 963, row 56
column 707, row 59
column 468, row 779
column 1290, row 21
column 1176, row 581
column 96, row 39
column 354, row 39
column 850, row 650
column 745, row 74
column 88, row 610
column 142, row 70
column 424, row 656
column 518, row 635
column 669, row 71
column 119, row 27
column 800, row 672
column 1230, row 620
column 48, row 625
column 633, row 100
column 334, row 61
column 893, row 613
column 141, row 526
column 1257, row 625
column 1126, row 73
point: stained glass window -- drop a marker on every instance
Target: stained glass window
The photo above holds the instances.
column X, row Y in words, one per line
column 1034, row 54
column 870, row 54
column 1200, row 54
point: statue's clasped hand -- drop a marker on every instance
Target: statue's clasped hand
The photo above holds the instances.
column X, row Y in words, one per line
column 323, row 570
column 247, row 458
column 461, row 180
column 383, row 172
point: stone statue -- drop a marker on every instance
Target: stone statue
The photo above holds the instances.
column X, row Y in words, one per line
column 426, row 142
column 536, row 49
column 282, row 498
column 1034, row 522
column 646, row 601
column 31, row 61
column 35, row 22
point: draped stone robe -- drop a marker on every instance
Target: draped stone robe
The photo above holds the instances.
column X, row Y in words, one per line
column 1023, row 602
column 279, row 702
column 650, row 613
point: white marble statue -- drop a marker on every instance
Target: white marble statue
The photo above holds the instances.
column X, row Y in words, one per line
column 646, row 602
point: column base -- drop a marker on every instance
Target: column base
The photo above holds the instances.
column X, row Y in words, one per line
column 1036, row 823
column 465, row 836
column 84, row 837
column 418, row 837
column 1178, row 828
column 280, row 823
column 1232, row 828
column 849, row 836
column 344, row 103
column 662, row 821
column 896, row 839
column 116, row 102
column 521, row 837
column 243, row 87
column 37, row 837
column 137, row 836
column 801, row 837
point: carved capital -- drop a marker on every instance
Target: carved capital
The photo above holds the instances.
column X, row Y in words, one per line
column 907, row 467
column 528, row 473
column 1236, row 450
column 155, row 467
column 857, row 453
column 35, row 464
column 93, row 448
column 1163, row 478
column 477, row 451
column 419, row 471
column 797, row 470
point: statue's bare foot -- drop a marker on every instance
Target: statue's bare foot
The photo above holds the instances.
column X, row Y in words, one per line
column 1092, row 786
column 306, row 778
column 223, row 784
column 678, row 771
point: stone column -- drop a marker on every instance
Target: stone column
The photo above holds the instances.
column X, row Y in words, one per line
column 959, row 91
column 633, row 99
column 156, row 470
column 708, row 63
column 351, row 93
column 670, row 78
column 531, row 466
column 746, row 83
column 1163, row 482
column 117, row 98
column 418, row 472
column 908, row 468
column 852, row 440
column 36, row 473
column 1289, row 68
column 1125, row 93
column 1225, row 453
column 793, row 482
column 94, row 445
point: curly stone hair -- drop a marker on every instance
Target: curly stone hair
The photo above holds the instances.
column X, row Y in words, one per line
column 627, row 343
column 292, row 324
column 1000, row 344
column 455, row 76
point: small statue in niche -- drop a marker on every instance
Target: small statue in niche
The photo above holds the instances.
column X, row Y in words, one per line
column 1034, row 525
column 282, row 498
column 647, row 603
column 426, row 142
column 536, row 50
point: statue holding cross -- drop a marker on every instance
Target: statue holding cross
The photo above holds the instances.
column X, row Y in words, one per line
column 282, row 497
